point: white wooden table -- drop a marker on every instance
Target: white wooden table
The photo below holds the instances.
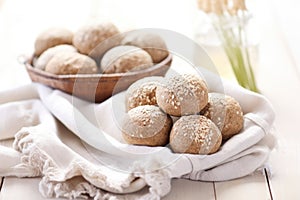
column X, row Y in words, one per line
column 279, row 80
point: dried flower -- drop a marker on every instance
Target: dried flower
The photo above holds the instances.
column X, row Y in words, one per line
column 229, row 19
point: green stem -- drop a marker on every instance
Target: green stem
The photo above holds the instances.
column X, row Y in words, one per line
column 229, row 46
column 251, row 73
column 235, row 47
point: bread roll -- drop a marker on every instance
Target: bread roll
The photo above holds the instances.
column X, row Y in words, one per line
column 182, row 95
column 89, row 37
column 50, row 38
column 47, row 55
column 225, row 112
column 146, row 125
column 142, row 92
column 71, row 63
column 150, row 42
column 195, row 134
column 123, row 59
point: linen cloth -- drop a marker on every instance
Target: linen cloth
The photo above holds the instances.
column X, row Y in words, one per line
column 77, row 147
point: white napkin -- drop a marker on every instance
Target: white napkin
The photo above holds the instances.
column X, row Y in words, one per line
column 77, row 148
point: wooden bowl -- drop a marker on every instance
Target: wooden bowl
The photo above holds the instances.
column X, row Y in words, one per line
column 95, row 87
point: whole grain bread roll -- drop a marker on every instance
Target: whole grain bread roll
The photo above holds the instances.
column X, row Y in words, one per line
column 195, row 134
column 88, row 37
column 182, row 95
column 146, row 125
column 123, row 59
column 64, row 63
column 150, row 42
column 47, row 55
column 142, row 92
column 50, row 38
column 225, row 112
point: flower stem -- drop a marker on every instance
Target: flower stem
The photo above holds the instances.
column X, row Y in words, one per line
column 251, row 76
column 235, row 46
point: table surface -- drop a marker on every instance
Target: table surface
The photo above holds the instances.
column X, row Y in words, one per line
column 279, row 80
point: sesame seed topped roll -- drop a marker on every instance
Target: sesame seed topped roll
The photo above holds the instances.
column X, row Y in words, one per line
column 195, row 134
column 225, row 112
column 182, row 95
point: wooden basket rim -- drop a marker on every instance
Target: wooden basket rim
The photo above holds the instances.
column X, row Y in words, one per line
column 90, row 77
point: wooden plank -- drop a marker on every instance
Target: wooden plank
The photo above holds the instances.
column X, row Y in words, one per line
column 191, row 190
column 25, row 188
column 247, row 188
column 6, row 143
column 1, row 181
column 284, row 183
column 285, row 161
column 19, row 188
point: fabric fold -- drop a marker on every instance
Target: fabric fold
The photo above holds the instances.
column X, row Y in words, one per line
column 78, row 150
column 60, row 172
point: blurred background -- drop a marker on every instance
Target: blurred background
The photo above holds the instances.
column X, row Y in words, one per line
column 21, row 21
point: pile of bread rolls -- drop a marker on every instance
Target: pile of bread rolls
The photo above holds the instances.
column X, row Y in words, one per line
column 181, row 112
column 97, row 48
